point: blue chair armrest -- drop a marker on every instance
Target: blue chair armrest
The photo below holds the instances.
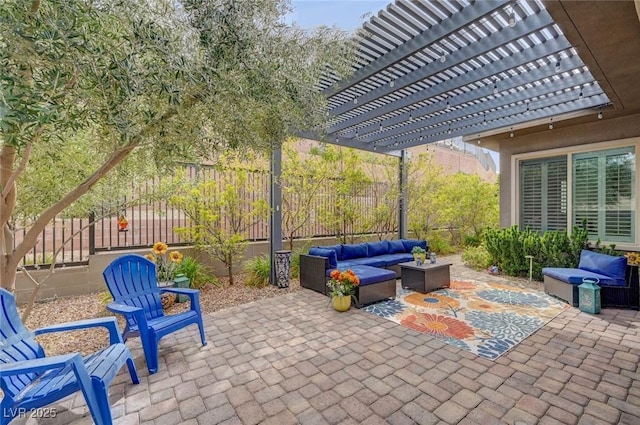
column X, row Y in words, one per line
column 110, row 323
column 193, row 294
column 39, row 365
column 183, row 291
column 125, row 310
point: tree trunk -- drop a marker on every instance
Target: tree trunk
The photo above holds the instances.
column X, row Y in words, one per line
column 230, row 274
column 7, row 205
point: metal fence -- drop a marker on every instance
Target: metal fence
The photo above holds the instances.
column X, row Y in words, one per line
column 77, row 238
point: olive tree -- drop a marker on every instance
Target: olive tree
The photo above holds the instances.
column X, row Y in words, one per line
column 163, row 79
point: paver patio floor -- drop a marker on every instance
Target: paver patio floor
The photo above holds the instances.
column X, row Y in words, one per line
column 293, row 360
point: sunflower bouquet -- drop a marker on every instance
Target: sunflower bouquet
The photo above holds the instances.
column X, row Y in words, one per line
column 166, row 262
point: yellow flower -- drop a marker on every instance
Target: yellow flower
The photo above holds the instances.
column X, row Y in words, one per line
column 632, row 258
column 175, row 256
column 150, row 257
column 159, row 248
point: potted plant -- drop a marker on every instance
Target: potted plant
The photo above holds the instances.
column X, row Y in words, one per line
column 342, row 286
column 419, row 254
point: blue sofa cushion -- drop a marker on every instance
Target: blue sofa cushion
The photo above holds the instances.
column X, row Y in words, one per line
column 410, row 243
column 575, row 276
column 343, row 265
column 393, row 259
column 369, row 275
column 614, row 267
column 328, row 253
column 337, row 248
column 396, row 247
column 377, row 248
column 368, row 261
column 354, row 251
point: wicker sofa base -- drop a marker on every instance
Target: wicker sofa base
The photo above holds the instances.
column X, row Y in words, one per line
column 375, row 292
column 610, row 296
column 562, row 290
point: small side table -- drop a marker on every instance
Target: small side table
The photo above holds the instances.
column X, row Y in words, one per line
column 426, row 277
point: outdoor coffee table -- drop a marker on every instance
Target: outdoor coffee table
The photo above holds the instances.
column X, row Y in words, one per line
column 426, row 277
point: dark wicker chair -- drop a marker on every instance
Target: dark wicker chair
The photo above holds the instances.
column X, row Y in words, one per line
column 625, row 296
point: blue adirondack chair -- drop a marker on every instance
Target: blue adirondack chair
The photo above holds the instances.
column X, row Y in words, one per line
column 131, row 279
column 30, row 380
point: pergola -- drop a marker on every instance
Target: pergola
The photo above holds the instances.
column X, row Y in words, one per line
column 486, row 71
column 432, row 70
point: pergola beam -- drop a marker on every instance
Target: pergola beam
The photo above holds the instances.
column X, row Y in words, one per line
column 416, row 44
column 513, row 62
column 506, row 35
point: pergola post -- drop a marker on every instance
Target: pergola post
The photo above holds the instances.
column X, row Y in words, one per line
column 404, row 196
column 275, row 202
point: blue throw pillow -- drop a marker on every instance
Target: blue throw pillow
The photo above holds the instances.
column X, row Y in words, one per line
column 410, row 243
column 336, row 248
column 354, row 251
column 396, row 247
column 328, row 253
column 378, row 248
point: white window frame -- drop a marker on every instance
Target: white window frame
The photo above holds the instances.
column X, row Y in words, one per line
column 569, row 151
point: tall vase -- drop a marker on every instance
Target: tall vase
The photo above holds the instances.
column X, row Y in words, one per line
column 342, row 303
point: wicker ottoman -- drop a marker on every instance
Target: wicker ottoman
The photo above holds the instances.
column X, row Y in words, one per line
column 376, row 284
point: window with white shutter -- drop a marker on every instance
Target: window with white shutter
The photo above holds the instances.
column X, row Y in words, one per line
column 543, row 194
column 604, row 193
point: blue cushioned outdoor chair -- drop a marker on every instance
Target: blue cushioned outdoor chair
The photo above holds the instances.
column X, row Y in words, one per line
column 132, row 281
column 30, row 380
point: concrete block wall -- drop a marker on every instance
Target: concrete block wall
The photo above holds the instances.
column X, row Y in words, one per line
column 87, row 279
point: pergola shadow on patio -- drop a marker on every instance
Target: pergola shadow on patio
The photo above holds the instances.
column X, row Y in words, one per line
column 292, row 359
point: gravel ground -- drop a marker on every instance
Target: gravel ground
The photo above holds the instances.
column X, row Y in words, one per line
column 212, row 298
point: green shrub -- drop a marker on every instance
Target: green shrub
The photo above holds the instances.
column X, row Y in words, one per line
column 196, row 272
column 472, row 240
column 508, row 249
column 439, row 244
column 259, row 269
column 477, row 257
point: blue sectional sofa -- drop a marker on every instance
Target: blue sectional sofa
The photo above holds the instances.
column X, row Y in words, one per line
column 376, row 263
column 618, row 287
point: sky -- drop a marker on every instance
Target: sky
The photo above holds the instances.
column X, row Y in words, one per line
column 344, row 14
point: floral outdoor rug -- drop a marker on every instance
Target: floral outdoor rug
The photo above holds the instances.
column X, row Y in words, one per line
column 487, row 319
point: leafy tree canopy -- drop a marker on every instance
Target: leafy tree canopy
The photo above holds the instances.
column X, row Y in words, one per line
column 87, row 84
